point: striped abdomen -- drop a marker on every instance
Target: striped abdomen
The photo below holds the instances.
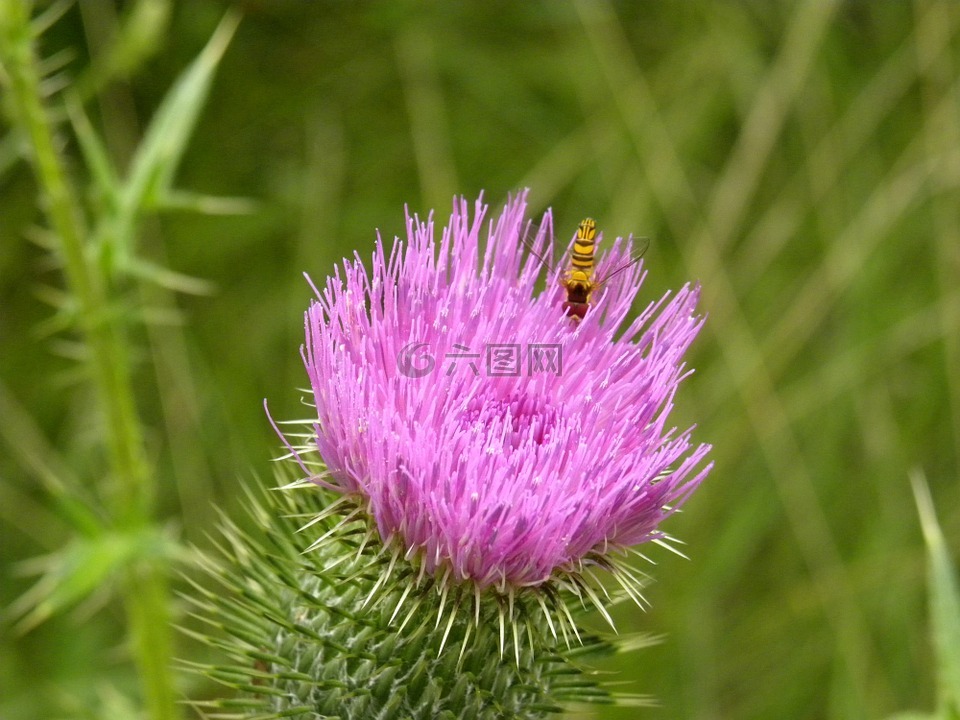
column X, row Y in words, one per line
column 577, row 281
column 583, row 250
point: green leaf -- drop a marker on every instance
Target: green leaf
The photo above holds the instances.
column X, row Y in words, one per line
column 158, row 156
column 49, row 17
column 138, row 38
column 944, row 602
column 27, row 444
column 82, row 568
column 169, row 279
column 206, row 204
column 98, row 160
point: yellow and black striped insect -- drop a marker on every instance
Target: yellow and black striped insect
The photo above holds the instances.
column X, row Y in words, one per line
column 578, row 280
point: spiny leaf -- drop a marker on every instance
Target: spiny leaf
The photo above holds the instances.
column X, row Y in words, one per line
column 27, row 444
column 148, row 182
column 158, row 156
column 83, row 567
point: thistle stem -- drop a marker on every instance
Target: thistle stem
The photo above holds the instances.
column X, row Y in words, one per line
column 131, row 492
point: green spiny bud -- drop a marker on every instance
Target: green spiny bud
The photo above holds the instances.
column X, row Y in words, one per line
column 350, row 630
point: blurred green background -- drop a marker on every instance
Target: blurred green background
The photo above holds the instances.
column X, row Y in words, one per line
column 800, row 159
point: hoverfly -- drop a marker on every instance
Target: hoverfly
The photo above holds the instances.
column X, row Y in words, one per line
column 578, row 280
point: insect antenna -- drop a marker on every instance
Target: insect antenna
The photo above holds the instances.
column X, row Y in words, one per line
column 525, row 239
column 635, row 257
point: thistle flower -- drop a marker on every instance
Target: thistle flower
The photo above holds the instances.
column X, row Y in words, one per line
column 475, row 454
column 495, row 443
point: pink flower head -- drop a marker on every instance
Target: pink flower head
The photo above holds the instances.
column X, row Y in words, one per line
column 485, row 432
